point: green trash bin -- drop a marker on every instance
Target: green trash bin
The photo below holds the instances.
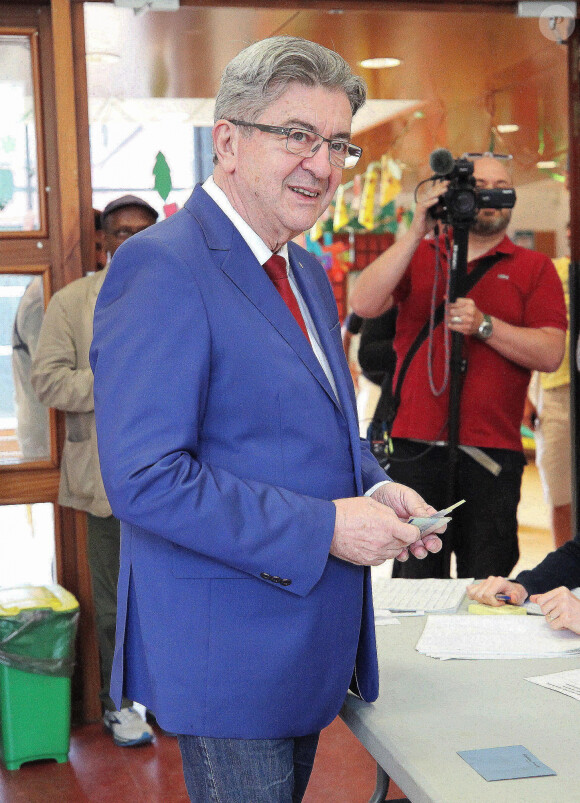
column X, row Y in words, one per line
column 37, row 632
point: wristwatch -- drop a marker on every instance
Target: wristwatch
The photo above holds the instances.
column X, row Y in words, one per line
column 485, row 328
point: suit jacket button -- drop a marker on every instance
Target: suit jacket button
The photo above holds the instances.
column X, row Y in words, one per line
column 266, row 576
column 276, row 579
column 285, row 582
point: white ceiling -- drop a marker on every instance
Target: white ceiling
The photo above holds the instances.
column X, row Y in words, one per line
column 468, row 71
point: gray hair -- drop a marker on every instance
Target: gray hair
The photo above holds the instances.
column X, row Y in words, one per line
column 261, row 73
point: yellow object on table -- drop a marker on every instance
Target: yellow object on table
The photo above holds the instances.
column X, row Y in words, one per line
column 479, row 608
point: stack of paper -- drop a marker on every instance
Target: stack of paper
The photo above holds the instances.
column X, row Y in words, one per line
column 430, row 595
column 460, row 636
column 564, row 682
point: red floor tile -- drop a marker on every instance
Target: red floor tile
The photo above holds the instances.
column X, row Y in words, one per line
column 343, row 770
column 100, row 772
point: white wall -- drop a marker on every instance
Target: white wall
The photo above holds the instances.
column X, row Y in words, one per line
column 543, row 206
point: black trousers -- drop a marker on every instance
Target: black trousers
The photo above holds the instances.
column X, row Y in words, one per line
column 103, row 544
column 484, row 531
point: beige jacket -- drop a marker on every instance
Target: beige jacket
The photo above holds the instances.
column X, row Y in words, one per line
column 62, row 378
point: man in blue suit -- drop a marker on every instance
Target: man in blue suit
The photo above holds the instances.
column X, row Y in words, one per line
column 229, row 446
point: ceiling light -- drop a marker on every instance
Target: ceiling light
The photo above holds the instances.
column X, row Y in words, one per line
column 103, row 33
column 549, row 165
column 102, row 58
column 546, row 9
column 508, row 128
column 379, row 64
column 148, row 5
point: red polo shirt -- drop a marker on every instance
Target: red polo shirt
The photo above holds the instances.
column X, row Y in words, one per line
column 522, row 289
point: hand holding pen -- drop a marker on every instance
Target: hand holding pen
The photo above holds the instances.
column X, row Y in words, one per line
column 497, row 591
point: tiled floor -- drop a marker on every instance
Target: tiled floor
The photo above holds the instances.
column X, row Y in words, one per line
column 99, row 772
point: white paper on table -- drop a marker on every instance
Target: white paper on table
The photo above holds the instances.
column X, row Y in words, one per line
column 532, row 608
column 385, row 618
column 567, row 682
column 416, row 597
column 495, row 637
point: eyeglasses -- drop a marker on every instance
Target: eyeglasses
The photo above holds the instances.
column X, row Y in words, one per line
column 306, row 143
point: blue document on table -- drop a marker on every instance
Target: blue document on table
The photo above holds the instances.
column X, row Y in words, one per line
column 505, row 763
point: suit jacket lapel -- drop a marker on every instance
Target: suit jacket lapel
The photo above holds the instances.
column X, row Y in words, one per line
column 241, row 266
column 343, row 383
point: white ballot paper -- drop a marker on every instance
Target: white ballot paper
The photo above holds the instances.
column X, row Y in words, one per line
column 403, row 596
column 428, row 523
column 565, row 682
column 464, row 636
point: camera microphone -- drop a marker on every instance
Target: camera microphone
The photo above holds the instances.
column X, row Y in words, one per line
column 441, row 161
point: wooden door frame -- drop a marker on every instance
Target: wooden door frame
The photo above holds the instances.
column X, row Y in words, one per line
column 573, row 45
column 77, row 242
column 67, row 243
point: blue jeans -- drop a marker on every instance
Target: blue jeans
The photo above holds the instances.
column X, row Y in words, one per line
column 247, row 770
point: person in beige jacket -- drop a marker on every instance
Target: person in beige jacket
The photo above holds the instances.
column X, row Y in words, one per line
column 62, row 378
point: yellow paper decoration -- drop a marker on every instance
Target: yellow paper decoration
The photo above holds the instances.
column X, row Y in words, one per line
column 366, row 215
column 340, row 218
column 390, row 180
column 316, row 231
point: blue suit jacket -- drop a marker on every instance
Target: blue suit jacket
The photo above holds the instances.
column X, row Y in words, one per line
column 222, row 445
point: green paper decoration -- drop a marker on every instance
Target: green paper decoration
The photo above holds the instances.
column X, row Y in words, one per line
column 6, row 186
column 541, row 137
column 388, row 211
column 162, row 175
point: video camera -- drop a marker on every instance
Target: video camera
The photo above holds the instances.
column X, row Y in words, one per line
column 462, row 200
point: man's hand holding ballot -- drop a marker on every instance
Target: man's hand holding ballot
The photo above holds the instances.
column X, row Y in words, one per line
column 383, row 529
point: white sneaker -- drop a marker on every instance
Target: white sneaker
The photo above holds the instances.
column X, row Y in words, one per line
column 127, row 727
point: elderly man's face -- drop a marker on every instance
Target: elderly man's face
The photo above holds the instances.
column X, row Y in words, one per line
column 490, row 173
column 124, row 223
column 279, row 193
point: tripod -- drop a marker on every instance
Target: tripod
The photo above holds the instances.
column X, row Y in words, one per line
column 458, row 367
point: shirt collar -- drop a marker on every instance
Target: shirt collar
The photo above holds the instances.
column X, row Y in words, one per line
column 255, row 243
column 505, row 247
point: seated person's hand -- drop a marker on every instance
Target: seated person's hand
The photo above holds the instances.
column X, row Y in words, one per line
column 485, row 591
column 561, row 609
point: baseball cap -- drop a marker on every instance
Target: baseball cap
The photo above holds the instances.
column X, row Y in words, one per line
column 128, row 200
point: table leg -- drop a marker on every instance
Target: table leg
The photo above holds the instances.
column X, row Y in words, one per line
column 382, row 787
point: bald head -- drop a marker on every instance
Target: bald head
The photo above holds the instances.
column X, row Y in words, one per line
column 490, row 173
column 494, row 172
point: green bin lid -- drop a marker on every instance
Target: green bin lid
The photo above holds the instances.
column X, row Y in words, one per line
column 14, row 600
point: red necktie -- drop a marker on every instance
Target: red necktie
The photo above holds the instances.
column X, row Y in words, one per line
column 275, row 267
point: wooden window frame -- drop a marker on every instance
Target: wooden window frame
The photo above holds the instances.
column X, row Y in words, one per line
column 42, row 232
column 39, row 269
